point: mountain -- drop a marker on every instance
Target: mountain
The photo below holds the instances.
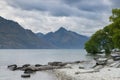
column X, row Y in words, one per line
column 65, row 39
column 13, row 36
column 40, row 34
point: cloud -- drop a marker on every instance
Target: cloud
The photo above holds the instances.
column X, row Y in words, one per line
column 79, row 8
column 115, row 3
column 83, row 16
column 87, row 5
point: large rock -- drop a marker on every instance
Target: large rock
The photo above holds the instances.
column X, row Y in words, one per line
column 26, row 65
column 38, row 65
column 30, row 69
column 115, row 57
column 54, row 63
column 12, row 67
column 25, row 76
column 101, row 61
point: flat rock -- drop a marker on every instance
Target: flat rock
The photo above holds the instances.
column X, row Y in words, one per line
column 25, row 76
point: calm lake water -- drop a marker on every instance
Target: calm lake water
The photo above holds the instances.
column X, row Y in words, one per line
column 36, row 56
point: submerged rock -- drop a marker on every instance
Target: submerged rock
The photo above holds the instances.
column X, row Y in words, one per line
column 25, row 76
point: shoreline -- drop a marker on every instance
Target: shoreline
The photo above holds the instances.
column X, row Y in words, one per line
column 99, row 70
column 103, row 74
column 78, row 71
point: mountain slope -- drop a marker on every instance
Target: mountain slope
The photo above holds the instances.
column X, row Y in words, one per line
column 65, row 39
column 12, row 36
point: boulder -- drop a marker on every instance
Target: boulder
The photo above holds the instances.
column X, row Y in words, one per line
column 29, row 71
column 54, row 63
column 77, row 61
column 48, row 67
column 25, row 76
column 101, row 55
column 101, row 61
column 80, row 67
column 19, row 68
column 38, row 65
column 25, row 65
column 110, row 61
column 12, row 67
column 115, row 57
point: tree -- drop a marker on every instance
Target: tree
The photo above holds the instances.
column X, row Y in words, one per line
column 116, row 39
column 107, row 38
column 99, row 41
column 115, row 18
column 115, row 15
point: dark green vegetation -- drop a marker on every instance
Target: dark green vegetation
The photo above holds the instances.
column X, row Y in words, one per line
column 107, row 38
column 14, row 36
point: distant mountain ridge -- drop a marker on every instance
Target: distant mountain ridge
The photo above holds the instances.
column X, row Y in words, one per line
column 13, row 36
column 64, row 39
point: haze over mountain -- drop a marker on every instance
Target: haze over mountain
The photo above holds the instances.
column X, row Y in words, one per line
column 63, row 38
column 13, row 36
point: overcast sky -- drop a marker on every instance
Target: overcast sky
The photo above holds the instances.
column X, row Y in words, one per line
column 82, row 16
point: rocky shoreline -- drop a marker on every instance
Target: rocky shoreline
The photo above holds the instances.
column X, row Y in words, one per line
column 30, row 69
column 100, row 68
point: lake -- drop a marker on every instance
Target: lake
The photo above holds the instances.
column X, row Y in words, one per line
column 36, row 56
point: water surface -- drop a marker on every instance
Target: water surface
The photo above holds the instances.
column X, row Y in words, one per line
column 36, row 56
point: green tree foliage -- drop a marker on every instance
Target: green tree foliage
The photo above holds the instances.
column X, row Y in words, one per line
column 107, row 38
column 115, row 15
